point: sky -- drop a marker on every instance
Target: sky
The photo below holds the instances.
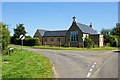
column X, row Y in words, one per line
column 58, row 15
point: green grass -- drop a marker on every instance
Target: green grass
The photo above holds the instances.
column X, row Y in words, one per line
column 0, row 66
column 26, row 64
column 74, row 48
column 65, row 48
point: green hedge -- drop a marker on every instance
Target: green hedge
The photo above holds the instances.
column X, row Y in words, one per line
column 28, row 42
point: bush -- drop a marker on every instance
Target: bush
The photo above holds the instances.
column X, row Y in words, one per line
column 112, row 39
column 88, row 42
column 4, row 37
column 28, row 42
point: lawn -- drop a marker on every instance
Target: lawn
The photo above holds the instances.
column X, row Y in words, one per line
column 74, row 48
column 26, row 64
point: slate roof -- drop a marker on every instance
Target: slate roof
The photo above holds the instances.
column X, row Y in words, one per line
column 41, row 31
column 86, row 29
column 55, row 33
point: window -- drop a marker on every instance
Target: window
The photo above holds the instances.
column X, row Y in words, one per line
column 45, row 39
column 58, row 39
column 74, row 36
column 52, row 39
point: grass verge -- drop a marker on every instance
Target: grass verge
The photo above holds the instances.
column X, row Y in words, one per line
column 74, row 48
column 65, row 48
column 26, row 64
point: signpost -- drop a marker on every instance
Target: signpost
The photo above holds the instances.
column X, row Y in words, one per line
column 21, row 38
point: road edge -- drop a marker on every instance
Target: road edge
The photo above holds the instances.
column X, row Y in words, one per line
column 55, row 74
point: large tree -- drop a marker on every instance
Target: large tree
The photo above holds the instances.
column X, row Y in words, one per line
column 116, row 30
column 20, row 29
column 111, row 36
column 4, row 36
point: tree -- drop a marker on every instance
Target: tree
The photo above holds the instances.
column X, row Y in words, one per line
column 20, row 29
column 111, row 36
column 105, row 31
column 116, row 30
column 4, row 36
column 28, row 36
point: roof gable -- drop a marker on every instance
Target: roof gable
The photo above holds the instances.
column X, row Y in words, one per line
column 41, row 31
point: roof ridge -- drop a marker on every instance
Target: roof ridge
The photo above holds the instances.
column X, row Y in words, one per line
column 59, row 30
column 43, row 29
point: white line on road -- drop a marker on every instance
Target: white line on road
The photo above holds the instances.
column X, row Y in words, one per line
column 93, row 66
column 89, row 74
column 90, row 70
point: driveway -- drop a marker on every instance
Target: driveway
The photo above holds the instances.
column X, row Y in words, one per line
column 82, row 64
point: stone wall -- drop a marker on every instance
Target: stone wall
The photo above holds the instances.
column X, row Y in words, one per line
column 79, row 43
column 55, row 42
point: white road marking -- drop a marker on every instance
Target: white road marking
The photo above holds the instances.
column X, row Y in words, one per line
column 90, row 70
column 93, row 66
column 89, row 74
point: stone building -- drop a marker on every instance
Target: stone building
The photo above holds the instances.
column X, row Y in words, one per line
column 74, row 36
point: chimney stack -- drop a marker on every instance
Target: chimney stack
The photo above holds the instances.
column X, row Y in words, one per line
column 91, row 25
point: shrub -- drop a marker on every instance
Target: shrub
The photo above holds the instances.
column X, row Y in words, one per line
column 88, row 42
column 4, row 37
column 28, row 42
column 112, row 39
column 107, row 44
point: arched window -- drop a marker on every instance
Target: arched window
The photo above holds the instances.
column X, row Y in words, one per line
column 74, row 36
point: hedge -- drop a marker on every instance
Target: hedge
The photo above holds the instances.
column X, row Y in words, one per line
column 27, row 42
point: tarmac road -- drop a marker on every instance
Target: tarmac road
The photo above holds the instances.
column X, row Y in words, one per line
column 82, row 64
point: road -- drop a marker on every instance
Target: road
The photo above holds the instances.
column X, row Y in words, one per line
column 82, row 64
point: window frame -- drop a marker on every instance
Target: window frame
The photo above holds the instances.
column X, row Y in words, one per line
column 74, row 36
column 52, row 39
column 58, row 39
column 45, row 39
